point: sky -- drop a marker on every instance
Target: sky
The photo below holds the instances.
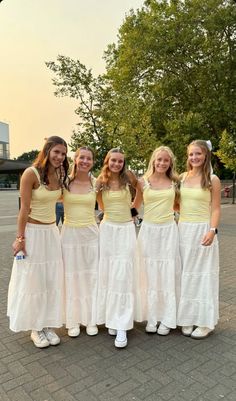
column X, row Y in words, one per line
column 33, row 32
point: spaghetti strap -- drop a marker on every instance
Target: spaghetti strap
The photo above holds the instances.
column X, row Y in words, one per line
column 36, row 173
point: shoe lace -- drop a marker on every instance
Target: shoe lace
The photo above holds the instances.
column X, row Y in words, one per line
column 49, row 333
column 121, row 335
column 41, row 335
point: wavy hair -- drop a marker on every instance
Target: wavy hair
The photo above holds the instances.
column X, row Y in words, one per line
column 125, row 176
column 206, row 168
column 42, row 160
column 171, row 172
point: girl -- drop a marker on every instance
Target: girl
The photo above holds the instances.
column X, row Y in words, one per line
column 199, row 219
column 117, row 247
column 80, row 246
column 158, row 243
column 35, row 297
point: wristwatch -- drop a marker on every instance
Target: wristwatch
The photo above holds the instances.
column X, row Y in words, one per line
column 215, row 230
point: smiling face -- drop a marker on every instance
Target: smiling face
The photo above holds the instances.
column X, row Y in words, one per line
column 196, row 156
column 116, row 162
column 84, row 160
column 57, row 155
column 162, row 162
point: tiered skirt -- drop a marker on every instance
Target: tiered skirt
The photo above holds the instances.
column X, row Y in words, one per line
column 159, row 274
column 116, row 279
column 80, row 250
column 36, row 288
column 199, row 300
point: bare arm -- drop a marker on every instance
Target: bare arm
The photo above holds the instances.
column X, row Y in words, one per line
column 215, row 210
column 139, row 194
column 99, row 195
column 27, row 182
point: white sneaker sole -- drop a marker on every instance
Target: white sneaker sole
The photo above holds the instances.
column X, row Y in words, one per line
column 121, row 344
column 163, row 333
column 92, row 332
column 73, row 335
column 39, row 345
column 54, row 342
column 202, row 337
column 150, row 329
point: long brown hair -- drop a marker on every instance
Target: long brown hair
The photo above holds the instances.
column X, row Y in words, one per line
column 42, row 160
column 125, row 176
column 206, row 168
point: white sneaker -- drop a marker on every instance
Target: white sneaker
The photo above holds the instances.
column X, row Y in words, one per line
column 112, row 332
column 121, row 339
column 51, row 336
column 74, row 331
column 201, row 332
column 163, row 330
column 39, row 339
column 92, row 330
column 151, row 328
column 187, row 330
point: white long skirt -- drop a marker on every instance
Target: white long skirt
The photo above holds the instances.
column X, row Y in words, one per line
column 159, row 273
column 116, row 275
column 199, row 303
column 36, row 288
column 80, row 250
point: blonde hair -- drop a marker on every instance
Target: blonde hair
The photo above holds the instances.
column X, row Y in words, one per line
column 171, row 172
column 206, row 168
column 74, row 166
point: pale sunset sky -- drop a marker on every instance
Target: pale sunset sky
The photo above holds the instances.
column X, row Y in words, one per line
column 32, row 32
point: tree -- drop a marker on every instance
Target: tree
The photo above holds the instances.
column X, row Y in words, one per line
column 28, row 156
column 227, row 150
column 170, row 78
column 178, row 59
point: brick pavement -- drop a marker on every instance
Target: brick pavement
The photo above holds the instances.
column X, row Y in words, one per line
column 152, row 368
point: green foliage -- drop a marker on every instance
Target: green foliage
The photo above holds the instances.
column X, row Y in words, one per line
column 227, row 150
column 170, row 78
column 28, row 156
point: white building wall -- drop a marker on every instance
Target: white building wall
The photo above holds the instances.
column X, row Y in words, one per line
column 4, row 140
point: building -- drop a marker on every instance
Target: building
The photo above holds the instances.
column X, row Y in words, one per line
column 4, row 141
column 8, row 166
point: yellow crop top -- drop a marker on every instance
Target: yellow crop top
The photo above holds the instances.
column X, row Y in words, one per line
column 79, row 208
column 158, row 204
column 195, row 204
column 43, row 202
column 117, row 205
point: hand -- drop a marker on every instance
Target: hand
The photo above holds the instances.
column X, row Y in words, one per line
column 18, row 246
column 208, row 238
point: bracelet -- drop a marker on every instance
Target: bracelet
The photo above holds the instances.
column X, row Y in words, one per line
column 20, row 238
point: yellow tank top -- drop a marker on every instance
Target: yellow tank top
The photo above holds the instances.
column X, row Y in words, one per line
column 117, row 205
column 158, row 204
column 195, row 204
column 43, row 202
column 79, row 208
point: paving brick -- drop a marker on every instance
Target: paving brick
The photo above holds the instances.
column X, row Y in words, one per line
column 152, row 367
column 124, row 388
